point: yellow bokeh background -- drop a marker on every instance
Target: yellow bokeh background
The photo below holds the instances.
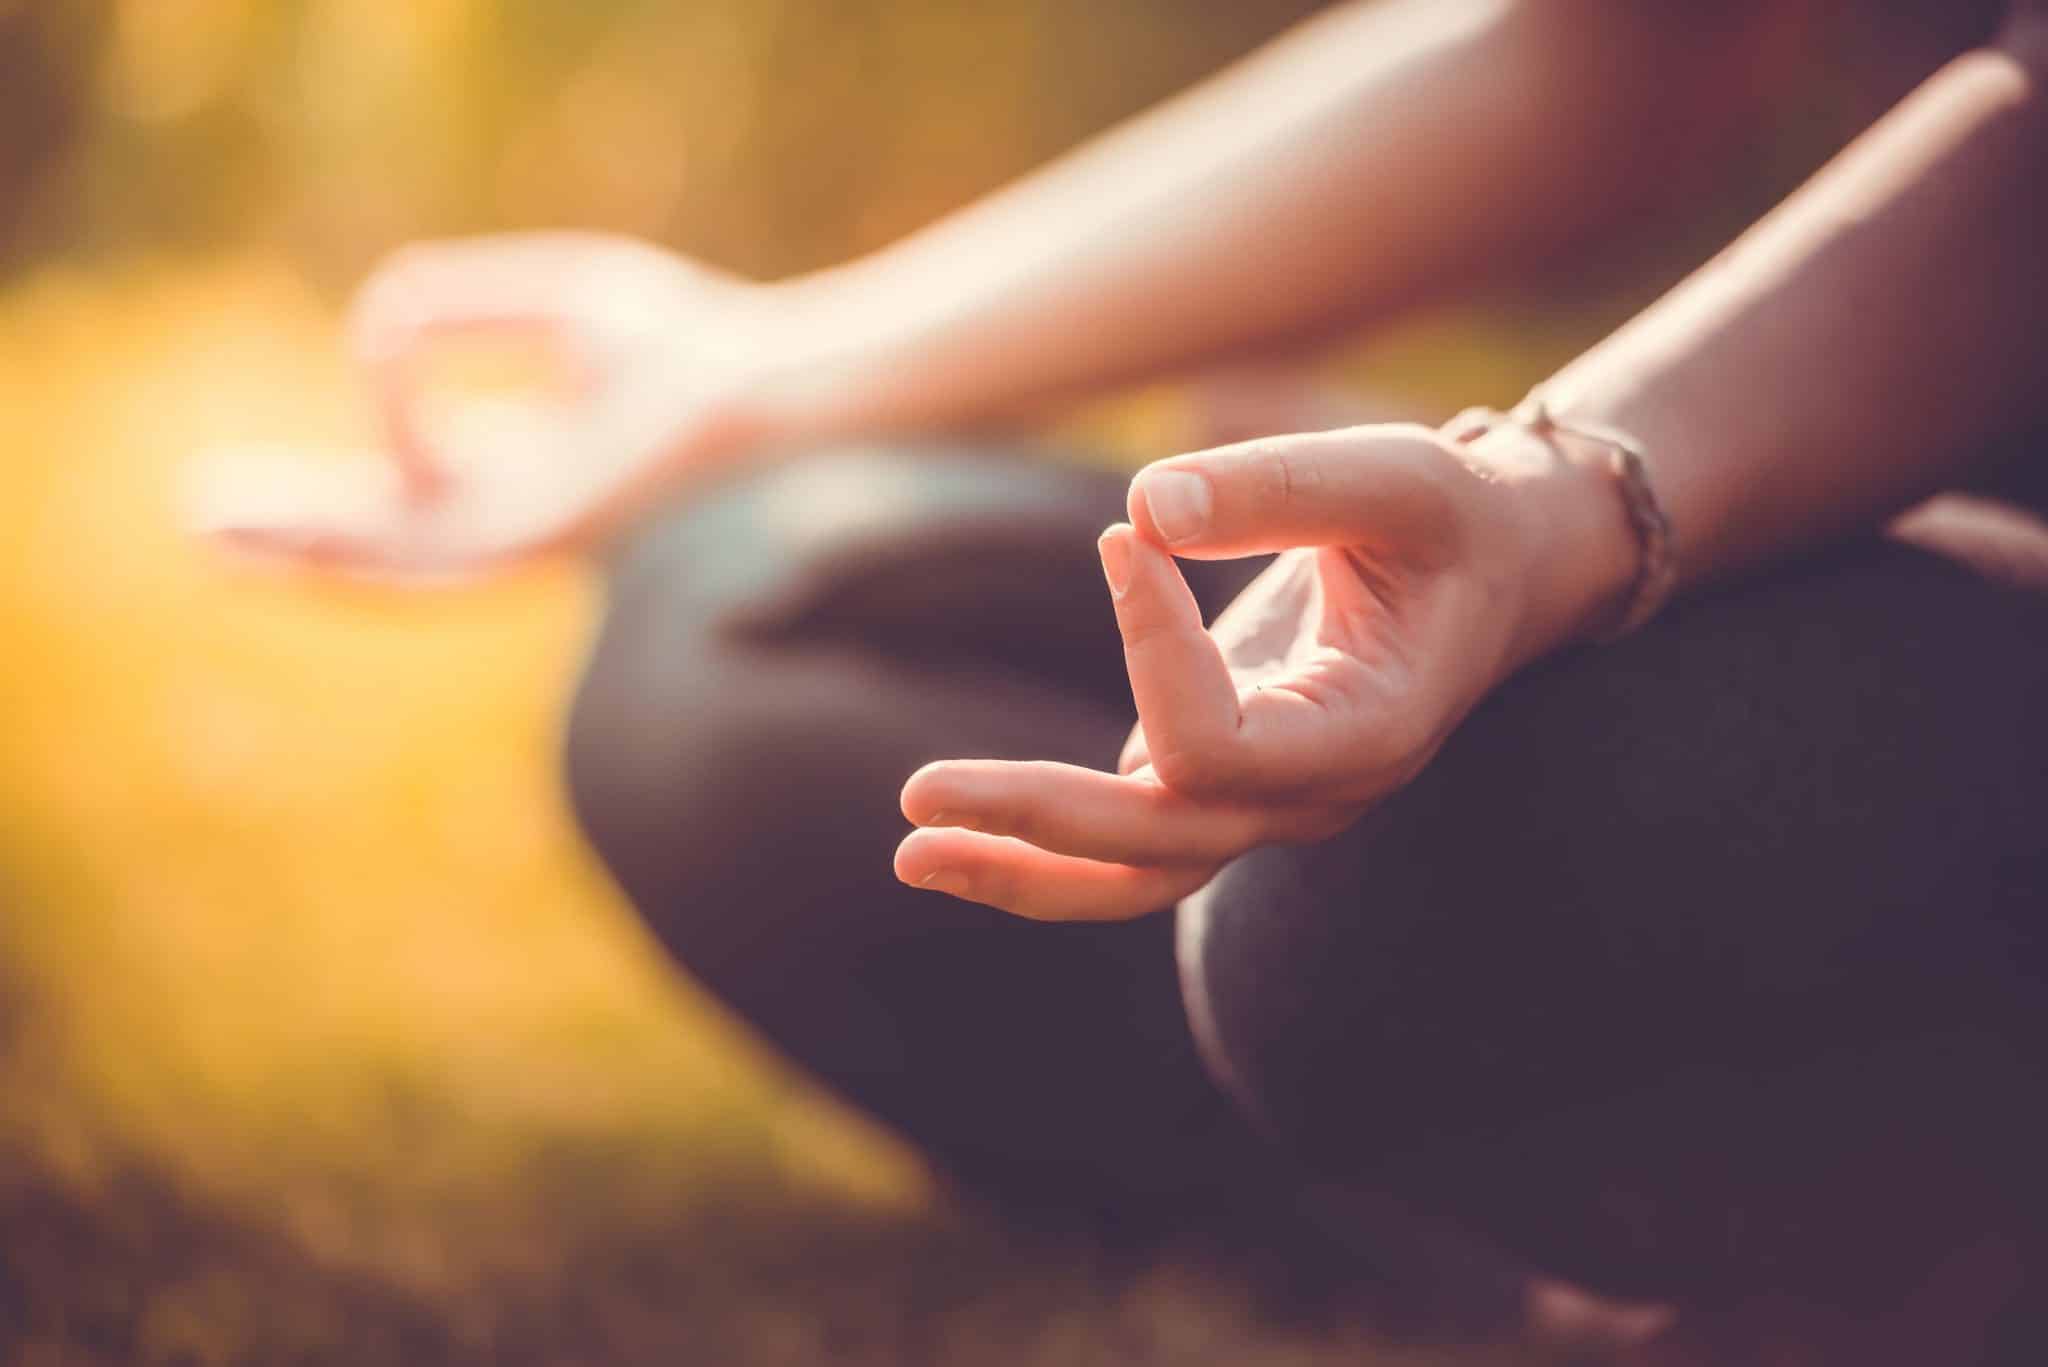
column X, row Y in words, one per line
column 291, row 891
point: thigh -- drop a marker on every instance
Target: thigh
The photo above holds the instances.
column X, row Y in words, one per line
column 1701, row 964
column 778, row 656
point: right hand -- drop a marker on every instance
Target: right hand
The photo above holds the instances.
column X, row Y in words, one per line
column 673, row 368
column 1415, row 573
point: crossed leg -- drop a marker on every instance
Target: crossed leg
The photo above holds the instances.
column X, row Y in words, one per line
column 1696, row 967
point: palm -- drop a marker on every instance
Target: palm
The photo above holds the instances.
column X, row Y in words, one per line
column 1323, row 648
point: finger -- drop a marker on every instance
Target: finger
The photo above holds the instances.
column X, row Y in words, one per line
column 1065, row 809
column 1135, row 755
column 1030, row 882
column 1187, row 703
column 346, row 517
column 1331, row 728
column 523, row 284
column 1313, row 489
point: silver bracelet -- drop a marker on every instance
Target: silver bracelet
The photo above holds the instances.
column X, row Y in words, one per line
column 1657, row 567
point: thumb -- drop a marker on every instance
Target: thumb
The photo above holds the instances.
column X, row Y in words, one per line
column 1311, row 489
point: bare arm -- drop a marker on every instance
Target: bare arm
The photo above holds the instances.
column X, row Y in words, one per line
column 1847, row 356
column 1375, row 154
column 1853, row 351
column 1370, row 156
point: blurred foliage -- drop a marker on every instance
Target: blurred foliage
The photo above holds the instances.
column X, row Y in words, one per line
column 321, row 1036
column 767, row 136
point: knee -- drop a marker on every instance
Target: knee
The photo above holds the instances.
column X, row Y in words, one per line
column 673, row 701
column 1259, row 955
column 1495, row 993
column 731, row 698
column 640, row 748
column 1823, row 762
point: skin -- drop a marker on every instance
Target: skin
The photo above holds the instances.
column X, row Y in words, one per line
column 1416, row 573
column 1419, row 590
column 1142, row 253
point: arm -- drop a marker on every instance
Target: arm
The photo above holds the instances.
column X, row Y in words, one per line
column 1843, row 359
column 1369, row 157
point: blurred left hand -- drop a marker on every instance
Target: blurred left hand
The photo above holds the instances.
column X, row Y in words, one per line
column 672, row 368
column 1416, row 574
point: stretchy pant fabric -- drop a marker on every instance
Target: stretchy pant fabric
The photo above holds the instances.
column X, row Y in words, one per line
column 1704, row 965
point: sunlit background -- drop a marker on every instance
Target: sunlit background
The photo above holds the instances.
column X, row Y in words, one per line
column 321, row 1036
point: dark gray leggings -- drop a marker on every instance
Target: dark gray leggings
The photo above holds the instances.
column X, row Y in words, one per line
column 1698, row 966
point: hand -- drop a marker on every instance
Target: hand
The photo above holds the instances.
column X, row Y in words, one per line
column 1415, row 574
column 670, row 367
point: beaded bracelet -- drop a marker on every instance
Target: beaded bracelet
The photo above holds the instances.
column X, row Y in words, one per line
column 1657, row 570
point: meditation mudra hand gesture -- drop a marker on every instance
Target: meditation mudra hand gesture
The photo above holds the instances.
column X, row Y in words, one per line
column 656, row 353
column 1410, row 581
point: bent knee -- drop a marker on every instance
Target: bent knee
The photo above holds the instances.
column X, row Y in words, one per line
column 779, row 653
column 1656, row 907
column 674, row 715
column 1259, row 950
column 662, row 709
column 1816, row 799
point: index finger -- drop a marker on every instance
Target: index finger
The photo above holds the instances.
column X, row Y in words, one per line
column 1187, row 701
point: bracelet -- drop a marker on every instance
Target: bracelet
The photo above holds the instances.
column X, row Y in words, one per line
column 1657, row 568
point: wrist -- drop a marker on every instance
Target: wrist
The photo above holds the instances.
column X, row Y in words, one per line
column 1576, row 557
column 828, row 365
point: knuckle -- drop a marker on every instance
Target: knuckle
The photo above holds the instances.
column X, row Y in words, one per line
column 1181, row 770
column 1289, row 477
column 1278, row 474
column 1195, row 772
column 1023, row 820
column 1140, row 629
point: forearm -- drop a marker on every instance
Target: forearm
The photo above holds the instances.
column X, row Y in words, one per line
column 1368, row 157
column 1855, row 350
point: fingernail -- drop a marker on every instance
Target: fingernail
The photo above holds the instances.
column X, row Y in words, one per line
column 1178, row 501
column 947, row 818
column 943, row 881
column 1116, row 560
